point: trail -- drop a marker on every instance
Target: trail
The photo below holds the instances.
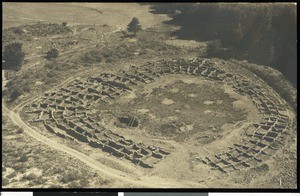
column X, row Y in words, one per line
column 109, row 172
column 77, row 49
column 138, row 179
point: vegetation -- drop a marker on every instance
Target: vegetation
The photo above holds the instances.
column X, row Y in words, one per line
column 19, row 131
column 57, row 65
column 15, row 34
column 44, row 29
column 17, row 86
column 276, row 80
column 27, row 32
column 213, row 48
column 263, row 33
column 134, row 26
column 15, row 94
column 41, row 167
column 52, row 54
column 13, row 56
column 5, row 182
column 127, row 50
column 92, row 56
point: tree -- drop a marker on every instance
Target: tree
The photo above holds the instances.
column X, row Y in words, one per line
column 13, row 56
column 15, row 94
column 134, row 26
column 213, row 48
column 52, row 54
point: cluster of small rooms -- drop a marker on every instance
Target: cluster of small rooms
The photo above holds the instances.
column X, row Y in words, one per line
column 64, row 112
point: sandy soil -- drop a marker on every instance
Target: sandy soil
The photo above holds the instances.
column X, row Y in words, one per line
column 80, row 13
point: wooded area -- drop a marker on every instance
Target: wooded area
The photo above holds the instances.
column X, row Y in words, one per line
column 262, row 33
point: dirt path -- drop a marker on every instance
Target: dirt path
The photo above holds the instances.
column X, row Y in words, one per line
column 109, row 172
column 79, row 48
column 139, row 179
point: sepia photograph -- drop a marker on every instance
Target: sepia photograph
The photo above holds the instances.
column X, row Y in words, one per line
column 149, row 95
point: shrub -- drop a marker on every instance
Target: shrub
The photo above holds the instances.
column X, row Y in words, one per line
column 70, row 176
column 213, row 48
column 55, row 186
column 39, row 180
column 75, row 184
column 23, row 158
column 51, row 74
column 49, row 65
column 52, row 54
column 57, row 170
column 26, row 89
column 29, row 177
column 17, row 30
column 109, row 60
column 12, row 175
column 5, row 182
column 26, row 76
column 92, row 56
column 48, row 80
column 84, row 183
column 15, row 94
column 19, row 131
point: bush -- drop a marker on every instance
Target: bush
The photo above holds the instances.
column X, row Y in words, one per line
column 92, row 56
column 109, row 60
column 48, row 80
column 26, row 89
column 5, row 182
column 64, row 24
column 29, row 177
column 49, row 65
column 213, row 48
column 26, row 76
column 23, row 158
column 17, row 30
column 75, row 184
column 39, row 180
column 19, row 131
column 12, row 175
column 52, row 54
column 10, row 83
column 59, row 66
column 70, row 176
column 83, row 183
column 57, row 170
column 15, row 94
column 51, row 74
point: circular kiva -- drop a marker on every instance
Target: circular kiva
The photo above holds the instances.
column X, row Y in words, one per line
column 115, row 129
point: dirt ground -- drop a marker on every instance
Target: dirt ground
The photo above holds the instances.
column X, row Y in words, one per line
column 80, row 13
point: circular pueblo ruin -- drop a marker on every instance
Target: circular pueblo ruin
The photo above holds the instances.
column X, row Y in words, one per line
column 169, row 119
